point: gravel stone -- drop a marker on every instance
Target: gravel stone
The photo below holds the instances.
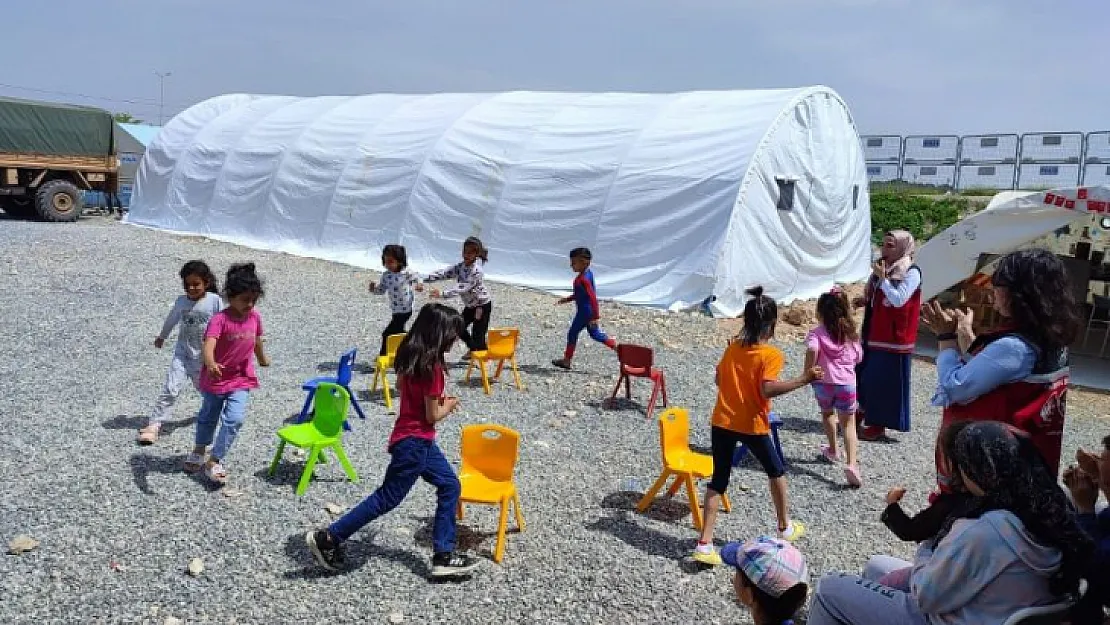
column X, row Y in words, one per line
column 82, row 303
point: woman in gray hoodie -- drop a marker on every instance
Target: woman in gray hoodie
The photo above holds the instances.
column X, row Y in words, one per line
column 1015, row 544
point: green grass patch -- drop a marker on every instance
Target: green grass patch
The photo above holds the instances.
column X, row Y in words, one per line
column 923, row 217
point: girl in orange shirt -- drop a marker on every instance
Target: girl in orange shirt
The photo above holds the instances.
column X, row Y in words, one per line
column 747, row 379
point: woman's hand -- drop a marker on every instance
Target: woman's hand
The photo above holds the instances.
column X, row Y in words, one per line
column 965, row 332
column 1083, row 488
column 939, row 320
column 895, row 495
column 879, row 269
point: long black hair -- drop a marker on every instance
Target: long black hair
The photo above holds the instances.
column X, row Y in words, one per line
column 432, row 334
column 200, row 269
column 1042, row 304
column 474, row 243
column 1015, row 477
column 242, row 278
column 760, row 314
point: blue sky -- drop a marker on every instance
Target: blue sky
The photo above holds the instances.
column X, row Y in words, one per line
column 936, row 66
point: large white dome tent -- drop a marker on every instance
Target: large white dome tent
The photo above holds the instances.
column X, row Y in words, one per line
column 681, row 197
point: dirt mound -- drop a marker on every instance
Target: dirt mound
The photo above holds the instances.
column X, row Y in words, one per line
column 797, row 318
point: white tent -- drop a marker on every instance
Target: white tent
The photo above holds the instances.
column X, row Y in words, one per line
column 675, row 194
column 1012, row 219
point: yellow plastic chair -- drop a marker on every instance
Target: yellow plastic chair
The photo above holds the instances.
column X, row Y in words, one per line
column 489, row 454
column 500, row 347
column 317, row 436
column 384, row 364
column 681, row 463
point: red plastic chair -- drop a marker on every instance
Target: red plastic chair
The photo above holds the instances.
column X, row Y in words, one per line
column 636, row 362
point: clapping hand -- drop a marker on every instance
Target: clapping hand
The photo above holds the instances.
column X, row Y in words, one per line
column 879, row 269
column 939, row 319
column 895, row 495
column 1083, row 488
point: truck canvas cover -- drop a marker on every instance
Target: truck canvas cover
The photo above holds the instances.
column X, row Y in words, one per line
column 46, row 128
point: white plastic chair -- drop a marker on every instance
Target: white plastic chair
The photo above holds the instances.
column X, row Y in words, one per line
column 1042, row 615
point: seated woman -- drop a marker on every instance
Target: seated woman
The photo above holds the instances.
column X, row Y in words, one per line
column 1016, row 544
column 1017, row 374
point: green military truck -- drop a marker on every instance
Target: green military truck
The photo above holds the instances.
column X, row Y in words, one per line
column 50, row 154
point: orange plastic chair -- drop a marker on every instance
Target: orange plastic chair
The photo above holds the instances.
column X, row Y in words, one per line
column 489, row 455
column 500, row 347
column 384, row 364
column 681, row 463
column 637, row 361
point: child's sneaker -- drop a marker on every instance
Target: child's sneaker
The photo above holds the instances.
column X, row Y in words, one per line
column 828, row 454
column 561, row 363
column 452, row 565
column 149, row 434
column 851, row 473
column 706, row 554
column 793, row 531
column 325, row 550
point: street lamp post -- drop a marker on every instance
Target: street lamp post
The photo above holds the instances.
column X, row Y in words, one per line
column 162, row 93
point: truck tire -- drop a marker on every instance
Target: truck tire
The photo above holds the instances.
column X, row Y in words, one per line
column 19, row 207
column 59, row 200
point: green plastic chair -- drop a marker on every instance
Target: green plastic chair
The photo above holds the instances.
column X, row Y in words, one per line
column 322, row 433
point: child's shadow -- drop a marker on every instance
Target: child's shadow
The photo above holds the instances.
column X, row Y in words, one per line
column 358, row 552
column 127, row 422
column 467, row 539
column 142, row 465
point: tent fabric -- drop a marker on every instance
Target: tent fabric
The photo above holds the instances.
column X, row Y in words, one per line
column 52, row 129
column 675, row 194
column 1011, row 220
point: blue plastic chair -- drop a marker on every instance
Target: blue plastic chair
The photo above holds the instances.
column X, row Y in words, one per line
column 742, row 451
column 342, row 378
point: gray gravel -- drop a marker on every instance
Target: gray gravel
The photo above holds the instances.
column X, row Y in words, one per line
column 118, row 524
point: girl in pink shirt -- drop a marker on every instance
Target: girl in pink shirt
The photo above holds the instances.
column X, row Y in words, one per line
column 834, row 346
column 233, row 336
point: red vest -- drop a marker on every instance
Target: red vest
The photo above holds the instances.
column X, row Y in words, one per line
column 1034, row 405
column 893, row 329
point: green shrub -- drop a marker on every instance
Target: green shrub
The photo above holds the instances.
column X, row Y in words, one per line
column 923, row 217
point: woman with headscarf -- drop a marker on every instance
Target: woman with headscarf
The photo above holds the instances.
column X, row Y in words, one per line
column 892, row 308
column 1017, row 374
column 1016, row 543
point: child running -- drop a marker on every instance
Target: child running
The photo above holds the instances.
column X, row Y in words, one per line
column 192, row 310
column 834, row 345
column 471, row 288
column 399, row 282
column 747, row 379
column 234, row 334
column 420, row 371
column 771, row 579
column 588, row 312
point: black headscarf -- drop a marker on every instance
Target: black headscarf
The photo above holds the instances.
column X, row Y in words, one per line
column 1014, row 477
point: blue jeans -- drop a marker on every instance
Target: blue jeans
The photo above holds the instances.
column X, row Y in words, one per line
column 413, row 458
column 228, row 411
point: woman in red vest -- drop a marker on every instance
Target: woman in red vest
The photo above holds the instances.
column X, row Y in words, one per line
column 892, row 309
column 1017, row 374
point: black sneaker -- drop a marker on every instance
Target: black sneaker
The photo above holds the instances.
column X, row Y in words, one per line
column 325, row 550
column 562, row 363
column 452, row 565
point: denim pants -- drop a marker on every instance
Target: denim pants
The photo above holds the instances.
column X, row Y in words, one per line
column 413, row 458
column 227, row 410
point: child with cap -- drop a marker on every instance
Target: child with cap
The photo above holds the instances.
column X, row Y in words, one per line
column 772, row 578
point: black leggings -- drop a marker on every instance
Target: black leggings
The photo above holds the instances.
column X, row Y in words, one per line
column 396, row 326
column 724, row 443
column 476, row 339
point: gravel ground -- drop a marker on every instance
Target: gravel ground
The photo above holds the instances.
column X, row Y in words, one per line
column 118, row 524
